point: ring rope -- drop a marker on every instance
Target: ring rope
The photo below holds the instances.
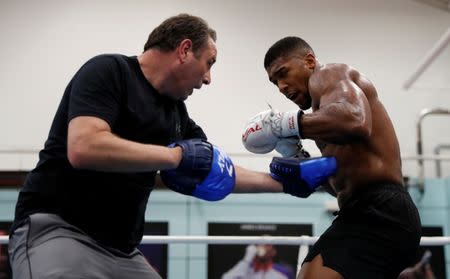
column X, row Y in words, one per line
column 278, row 240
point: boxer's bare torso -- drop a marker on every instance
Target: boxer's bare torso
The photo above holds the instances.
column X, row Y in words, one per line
column 364, row 158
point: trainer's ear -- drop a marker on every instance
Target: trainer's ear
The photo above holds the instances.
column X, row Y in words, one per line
column 310, row 61
column 183, row 49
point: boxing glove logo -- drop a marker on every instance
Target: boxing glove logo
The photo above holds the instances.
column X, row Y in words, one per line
column 250, row 130
column 225, row 164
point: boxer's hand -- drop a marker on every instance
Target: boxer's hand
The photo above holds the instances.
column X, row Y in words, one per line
column 301, row 177
column 291, row 147
column 264, row 130
column 205, row 171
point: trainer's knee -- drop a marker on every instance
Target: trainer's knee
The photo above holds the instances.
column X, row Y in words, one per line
column 316, row 270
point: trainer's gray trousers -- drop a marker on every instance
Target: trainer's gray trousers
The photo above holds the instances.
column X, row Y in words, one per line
column 48, row 247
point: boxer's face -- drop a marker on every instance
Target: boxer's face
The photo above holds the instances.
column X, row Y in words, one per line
column 196, row 69
column 265, row 252
column 291, row 74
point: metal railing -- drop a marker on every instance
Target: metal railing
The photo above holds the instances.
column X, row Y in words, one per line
column 424, row 113
column 429, row 57
column 437, row 151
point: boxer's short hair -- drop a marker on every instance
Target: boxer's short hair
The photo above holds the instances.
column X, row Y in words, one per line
column 285, row 47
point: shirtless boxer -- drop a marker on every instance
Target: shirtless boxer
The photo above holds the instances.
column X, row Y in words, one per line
column 377, row 231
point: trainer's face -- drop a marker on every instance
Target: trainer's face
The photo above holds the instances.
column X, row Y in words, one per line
column 291, row 75
column 196, row 69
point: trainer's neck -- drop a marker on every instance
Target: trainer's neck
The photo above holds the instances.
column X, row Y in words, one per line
column 155, row 65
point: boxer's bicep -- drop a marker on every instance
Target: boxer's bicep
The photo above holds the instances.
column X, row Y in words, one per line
column 347, row 104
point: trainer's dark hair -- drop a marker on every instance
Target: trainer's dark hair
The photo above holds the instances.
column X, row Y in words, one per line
column 285, row 47
column 168, row 35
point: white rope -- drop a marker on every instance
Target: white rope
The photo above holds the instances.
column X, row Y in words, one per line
column 434, row 240
column 278, row 240
column 19, row 151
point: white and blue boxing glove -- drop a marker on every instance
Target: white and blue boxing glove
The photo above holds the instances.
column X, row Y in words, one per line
column 205, row 171
column 291, row 147
column 271, row 129
column 301, row 177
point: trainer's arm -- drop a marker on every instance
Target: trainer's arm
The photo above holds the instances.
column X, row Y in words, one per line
column 344, row 115
column 92, row 145
column 249, row 181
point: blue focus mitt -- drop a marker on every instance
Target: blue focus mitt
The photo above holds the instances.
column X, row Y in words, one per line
column 301, row 177
column 205, row 171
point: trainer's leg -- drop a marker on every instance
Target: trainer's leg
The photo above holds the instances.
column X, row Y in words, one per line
column 58, row 257
column 65, row 257
column 316, row 270
column 41, row 249
column 18, row 254
column 136, row 267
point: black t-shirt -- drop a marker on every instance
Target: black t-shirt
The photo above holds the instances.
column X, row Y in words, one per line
column 109, row 206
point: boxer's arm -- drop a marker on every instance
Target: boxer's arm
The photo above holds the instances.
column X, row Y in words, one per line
column 249, row 181
column 327, row 188
column 92, row 145
column 344, row 114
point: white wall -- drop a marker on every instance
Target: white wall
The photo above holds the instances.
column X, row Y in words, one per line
column 43, row 43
